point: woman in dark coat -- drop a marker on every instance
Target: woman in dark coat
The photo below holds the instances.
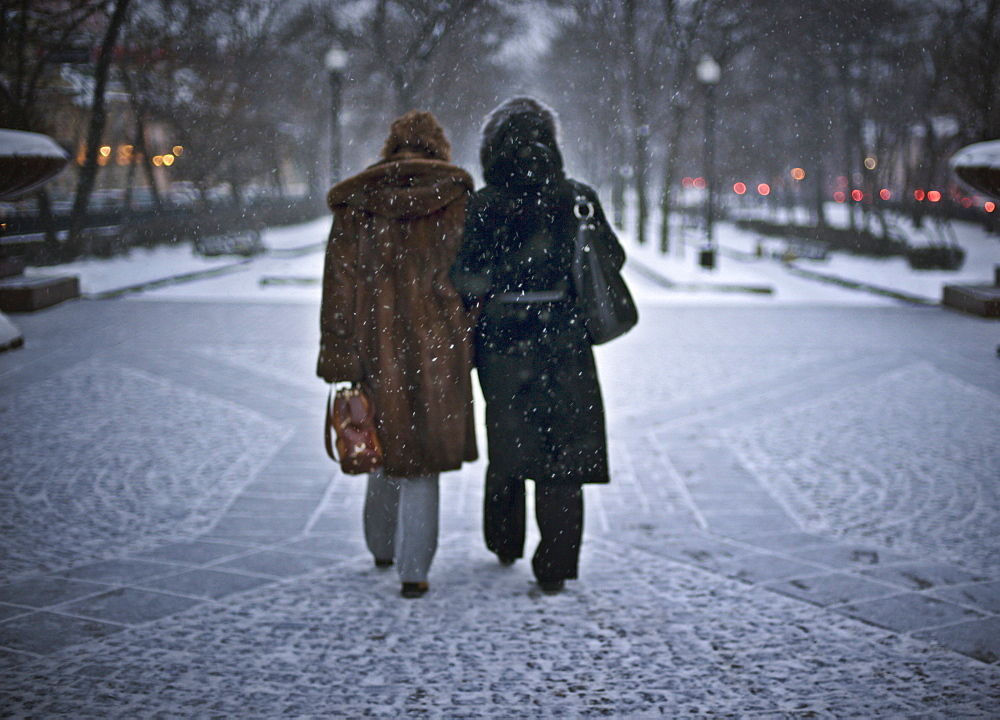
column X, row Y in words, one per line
column 544, row 415
column 390, row 318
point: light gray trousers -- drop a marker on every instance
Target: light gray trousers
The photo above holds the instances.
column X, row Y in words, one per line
column 401, row 522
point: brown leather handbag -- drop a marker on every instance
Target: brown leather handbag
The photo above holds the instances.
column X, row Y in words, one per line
column 350, row 414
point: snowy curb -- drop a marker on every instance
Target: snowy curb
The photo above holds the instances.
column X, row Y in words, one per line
column 835, row 280
column 10, row 336
column 167, row 281
column 669, row 284
column 298, row 251
column 856, row 285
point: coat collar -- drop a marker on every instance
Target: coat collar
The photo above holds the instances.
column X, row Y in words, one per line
column 402, row 188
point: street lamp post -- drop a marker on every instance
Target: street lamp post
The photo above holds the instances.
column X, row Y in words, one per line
column 709, row 72
column 336, row 61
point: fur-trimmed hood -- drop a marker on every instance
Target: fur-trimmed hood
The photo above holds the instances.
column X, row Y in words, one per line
column 416, row 134
column 402, row 189
column 413, row 178
column 520, row 144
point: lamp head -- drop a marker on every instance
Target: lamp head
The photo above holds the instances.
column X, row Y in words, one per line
column 335, row 59
column 708, row 71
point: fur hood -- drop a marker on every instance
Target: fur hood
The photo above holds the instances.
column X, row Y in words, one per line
column 520, row 144
column 416, row 134
column 413, row 179
column 402, row 189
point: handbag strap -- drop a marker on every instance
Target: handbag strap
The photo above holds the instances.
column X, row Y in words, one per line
column 327, row 435
column 580, row 205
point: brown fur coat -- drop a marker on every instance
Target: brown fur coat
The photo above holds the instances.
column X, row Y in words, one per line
column 390, row 316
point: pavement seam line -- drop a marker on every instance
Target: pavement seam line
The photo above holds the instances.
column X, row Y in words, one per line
column 682, row 486
column 317, row 512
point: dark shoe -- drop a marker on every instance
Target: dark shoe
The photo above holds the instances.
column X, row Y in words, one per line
column 414, row 589
column 551, row 587
column 506, row 560
column 380, row 563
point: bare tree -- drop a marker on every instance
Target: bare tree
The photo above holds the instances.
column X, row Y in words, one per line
column 975, row 67
column 217, row 76
column 35, row 37
column 98, row 117
column 407, row 54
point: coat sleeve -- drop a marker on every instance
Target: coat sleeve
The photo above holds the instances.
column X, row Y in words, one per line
column 472, row 271
column 339, row 358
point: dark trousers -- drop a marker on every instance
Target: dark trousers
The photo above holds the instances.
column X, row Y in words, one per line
column 559, row 512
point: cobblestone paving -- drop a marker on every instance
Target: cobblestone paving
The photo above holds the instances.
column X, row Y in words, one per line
column 685, row 374
column 642, row 637
column 714, row 583
column 284, row 364
column 104, row 458
column 877, row 463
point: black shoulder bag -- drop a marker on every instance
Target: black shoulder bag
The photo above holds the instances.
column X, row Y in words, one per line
column 601, row 293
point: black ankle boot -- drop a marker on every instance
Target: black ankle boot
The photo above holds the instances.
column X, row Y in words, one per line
column 414, row 589
column 551, row 587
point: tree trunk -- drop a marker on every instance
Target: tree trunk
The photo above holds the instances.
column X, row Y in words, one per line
column 849, row 172
column 98, row 117
column 52, row 249
column 140, row 142
column 147, row 163
column 618, row 180
column 675, row 123
column 640, row 123
column 819, row 197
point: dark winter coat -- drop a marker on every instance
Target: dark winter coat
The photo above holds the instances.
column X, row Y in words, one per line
column 390, row 316
column 544, row 414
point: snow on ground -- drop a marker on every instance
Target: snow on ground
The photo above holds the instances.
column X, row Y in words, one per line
column 292, row 269
column 982, row 254
column 732, row 281
column 142, row 265
column 9, row 333
column 737, row 264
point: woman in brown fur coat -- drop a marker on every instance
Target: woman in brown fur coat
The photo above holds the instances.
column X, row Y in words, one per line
column 391, row 319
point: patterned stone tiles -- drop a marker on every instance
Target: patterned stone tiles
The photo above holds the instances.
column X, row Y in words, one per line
column 711, row 583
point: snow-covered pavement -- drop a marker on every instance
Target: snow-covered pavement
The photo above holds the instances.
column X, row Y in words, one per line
column 800, row 522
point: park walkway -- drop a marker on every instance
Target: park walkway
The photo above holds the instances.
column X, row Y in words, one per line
column 802, row 523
